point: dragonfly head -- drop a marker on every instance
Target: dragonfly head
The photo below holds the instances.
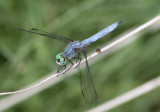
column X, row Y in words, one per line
column 61, row 60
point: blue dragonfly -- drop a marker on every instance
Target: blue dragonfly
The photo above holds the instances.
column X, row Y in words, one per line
column 73, row 50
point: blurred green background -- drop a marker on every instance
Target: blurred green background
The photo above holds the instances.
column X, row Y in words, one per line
column 25, row 58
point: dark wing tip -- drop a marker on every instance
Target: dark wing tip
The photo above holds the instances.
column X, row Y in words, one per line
column 21, row 29
column 33, row 29
column 18, row 28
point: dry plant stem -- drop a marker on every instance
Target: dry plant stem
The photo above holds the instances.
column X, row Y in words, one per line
column 132, row 94
column 140, row 28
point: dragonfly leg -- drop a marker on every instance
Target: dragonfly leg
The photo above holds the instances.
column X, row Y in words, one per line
column 69, row 67
column 61, row 69
column 78, row 60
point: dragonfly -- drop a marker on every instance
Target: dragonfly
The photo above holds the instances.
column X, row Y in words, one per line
column 73, row 50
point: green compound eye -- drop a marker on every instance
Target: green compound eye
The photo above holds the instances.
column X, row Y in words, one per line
column 60, row 60
column 58, row 56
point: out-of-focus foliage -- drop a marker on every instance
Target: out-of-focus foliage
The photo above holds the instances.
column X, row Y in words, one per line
column 26, row 58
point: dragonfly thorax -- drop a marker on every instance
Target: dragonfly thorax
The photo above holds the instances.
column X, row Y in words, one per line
column 71, row 49
column 61, row 60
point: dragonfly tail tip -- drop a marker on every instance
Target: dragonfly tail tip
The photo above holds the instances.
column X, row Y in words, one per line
column 120, row 21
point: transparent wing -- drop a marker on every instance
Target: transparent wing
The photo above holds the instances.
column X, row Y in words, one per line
column 84, row 86
column 87, row 84
column 46, row 34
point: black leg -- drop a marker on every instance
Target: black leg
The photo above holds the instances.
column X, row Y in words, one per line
column 59, row 69
column 64, row 67
column 78, row 60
